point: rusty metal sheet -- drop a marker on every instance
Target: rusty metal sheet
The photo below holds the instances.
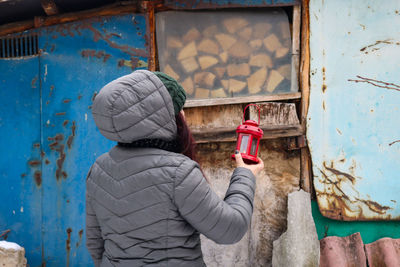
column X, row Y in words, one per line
column 354, row 116
column 49, row 139
column 78, row 59
column 205, row 4
column 20, row 160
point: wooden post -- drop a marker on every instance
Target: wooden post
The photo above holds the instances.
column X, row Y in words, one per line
column 305, row 158
column 148, row 8
column 295, row 48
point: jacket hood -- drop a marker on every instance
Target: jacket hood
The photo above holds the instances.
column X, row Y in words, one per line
column 133, row 107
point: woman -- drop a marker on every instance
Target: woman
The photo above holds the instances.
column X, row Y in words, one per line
column 147, row 200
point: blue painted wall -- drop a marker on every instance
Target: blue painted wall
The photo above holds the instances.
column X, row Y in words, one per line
column 354, row 117
column 47, row 128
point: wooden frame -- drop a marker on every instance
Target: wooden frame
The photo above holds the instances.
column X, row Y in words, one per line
column 149, row 8
column 228, row 134
column 240, row 100
column 305, row 157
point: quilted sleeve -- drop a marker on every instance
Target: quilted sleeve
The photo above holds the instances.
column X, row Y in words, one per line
column 223, row 221
column 94, row 240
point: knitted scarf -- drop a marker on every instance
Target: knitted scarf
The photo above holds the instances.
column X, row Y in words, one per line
column 172, row 146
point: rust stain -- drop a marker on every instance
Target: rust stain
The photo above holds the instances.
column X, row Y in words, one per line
column 58, row 147
column 372, row 47
column 34, row 163
column 94, row 96
column 65, row 123
column 339, row 132
column 72, row 136
column 90, row 53
column 79, row 97
column 47, row 162
column 38, row 178
column 394, row 142
column 51, row 90
column 68, row 30
column 338, row 205
column 60, row 162
column 36, row 145
column 68, row 244
column 67, row 101
column 61, row 113
column 80, row 238
column 375, row 206
column 323, row 105
column 23, row 175
column 351, row 178
column 381, row 84
column 33, row 82
column 324, row 87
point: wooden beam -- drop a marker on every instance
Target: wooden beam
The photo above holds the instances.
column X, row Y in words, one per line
column 228, row 134
column 239, row 100
column 49, row 7
column 110, row 10
column 305, row 157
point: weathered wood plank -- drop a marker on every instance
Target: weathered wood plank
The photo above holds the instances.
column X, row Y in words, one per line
column 305, row 157
column 273, row 113
column 148, row 8
column 228, row 134
column 295, row 48
column 109, row 10
column 238, row 100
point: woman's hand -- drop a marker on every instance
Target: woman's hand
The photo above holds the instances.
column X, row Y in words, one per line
column 254, row 168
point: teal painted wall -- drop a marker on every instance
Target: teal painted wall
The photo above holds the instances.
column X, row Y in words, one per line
column 370, row 231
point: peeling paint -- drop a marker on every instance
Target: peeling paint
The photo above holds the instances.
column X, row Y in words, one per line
column 90, row 53
column 133, row 63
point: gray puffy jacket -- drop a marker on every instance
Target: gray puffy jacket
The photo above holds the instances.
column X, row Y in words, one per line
column 147, row 206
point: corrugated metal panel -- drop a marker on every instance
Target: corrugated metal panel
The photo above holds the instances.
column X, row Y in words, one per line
column 204, row 4
column 350, row 251
column 354, row 116
column 342, row 251
column 384, row 252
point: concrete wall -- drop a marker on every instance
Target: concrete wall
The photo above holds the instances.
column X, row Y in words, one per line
column 280, row 177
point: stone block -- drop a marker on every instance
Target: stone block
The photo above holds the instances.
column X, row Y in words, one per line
column 299, row 245
column 12, row 255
